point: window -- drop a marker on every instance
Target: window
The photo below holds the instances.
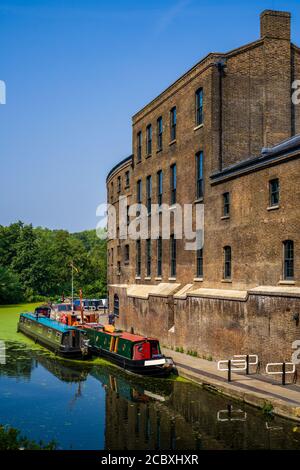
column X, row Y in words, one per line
column 116, row 305
column 199, row 272
column 199, row 175
column 112, row 191
column 159, row 133
column 118, row 268
column 139, row 196
column 149, row 193
column 227, row 262
column 112, row 256
column 159, row 256
column 126, row 254
column 149, row 140
column 119, row 184
column 173, row 122
column 226, row 204
column 173, row 184
column 148, row 257
column 139, row 191
column 159, row 187
column 274, row 192
column 173, row 255
column 199, row 107
column 128, row 216
column 139, row 146
column 288, row 268
column 138, row 258
column 127, row 179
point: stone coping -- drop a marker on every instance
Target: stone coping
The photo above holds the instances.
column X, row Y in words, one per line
column 280, row 291
column 165, row 289
column 142, row 291
column 228, row 294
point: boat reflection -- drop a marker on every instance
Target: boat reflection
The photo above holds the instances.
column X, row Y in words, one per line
column 138, row 413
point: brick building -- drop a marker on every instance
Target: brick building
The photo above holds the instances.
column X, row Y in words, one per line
column 223, row 135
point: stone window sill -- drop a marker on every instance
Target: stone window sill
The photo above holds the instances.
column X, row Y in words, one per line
column 158, row 278
column 172, row 278
column 138, row 278
column 273, row 208
column 159, row 150
column 198, row 127
column 198, row 279
column 225, row 217
column 138, row 161
column 172, row 142
column 227, row 281
column 148, row 156
column 286, row 283
column 147, row 278
column 199, row 200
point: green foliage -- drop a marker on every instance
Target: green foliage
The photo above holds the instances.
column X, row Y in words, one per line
column 10, row 287
column 181, row 350
column 268, row 409
column 10, row 439
column 192, row 353
column 35, row 263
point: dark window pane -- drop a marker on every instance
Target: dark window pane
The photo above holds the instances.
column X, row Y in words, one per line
column 199, row 175
column 227, row 262
column 159, row 187
column 274, row 192
column 173, row 184
column 148, row 257
column 159, row 257
column 173, row 123
column 149, row 140
column 138, row 257
column 199, row 107
column 226, row 204
column 199, row 263
column 149, row 193
column 139, row 146
column 288, row 260
column 159, row 133
column 173, row 253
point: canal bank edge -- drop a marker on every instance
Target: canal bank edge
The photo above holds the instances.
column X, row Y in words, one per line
column 253, row 390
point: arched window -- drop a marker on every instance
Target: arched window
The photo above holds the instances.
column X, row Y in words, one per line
column 227, row 262
column 116, row 305
column 288, row 261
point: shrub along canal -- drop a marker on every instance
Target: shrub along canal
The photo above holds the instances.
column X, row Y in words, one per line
column 92, row 405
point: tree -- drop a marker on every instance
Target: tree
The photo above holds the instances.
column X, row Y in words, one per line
column 10, row 288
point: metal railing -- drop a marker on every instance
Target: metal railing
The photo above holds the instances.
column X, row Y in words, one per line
column 283, row 372
column 239, row 363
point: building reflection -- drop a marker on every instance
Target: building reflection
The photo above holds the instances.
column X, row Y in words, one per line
column 158, row 414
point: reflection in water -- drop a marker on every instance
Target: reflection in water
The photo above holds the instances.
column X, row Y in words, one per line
column 87, row 406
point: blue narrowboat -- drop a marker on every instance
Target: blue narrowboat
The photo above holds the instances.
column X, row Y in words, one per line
column 63, row 340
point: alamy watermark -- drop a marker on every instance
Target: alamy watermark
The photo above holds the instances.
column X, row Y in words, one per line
column 140, row 222
column 2, row 353
column 2, row 92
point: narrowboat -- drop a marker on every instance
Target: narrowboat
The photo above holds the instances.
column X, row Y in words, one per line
column 134, row 353
column 64, row 340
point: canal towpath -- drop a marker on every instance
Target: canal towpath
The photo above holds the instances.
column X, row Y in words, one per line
column 255, row 389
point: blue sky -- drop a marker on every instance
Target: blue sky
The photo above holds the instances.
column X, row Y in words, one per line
column 76, row 71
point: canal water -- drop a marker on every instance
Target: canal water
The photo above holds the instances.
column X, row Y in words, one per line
column 97, row 406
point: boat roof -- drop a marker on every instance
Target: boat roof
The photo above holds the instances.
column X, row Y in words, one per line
column 49, row 323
